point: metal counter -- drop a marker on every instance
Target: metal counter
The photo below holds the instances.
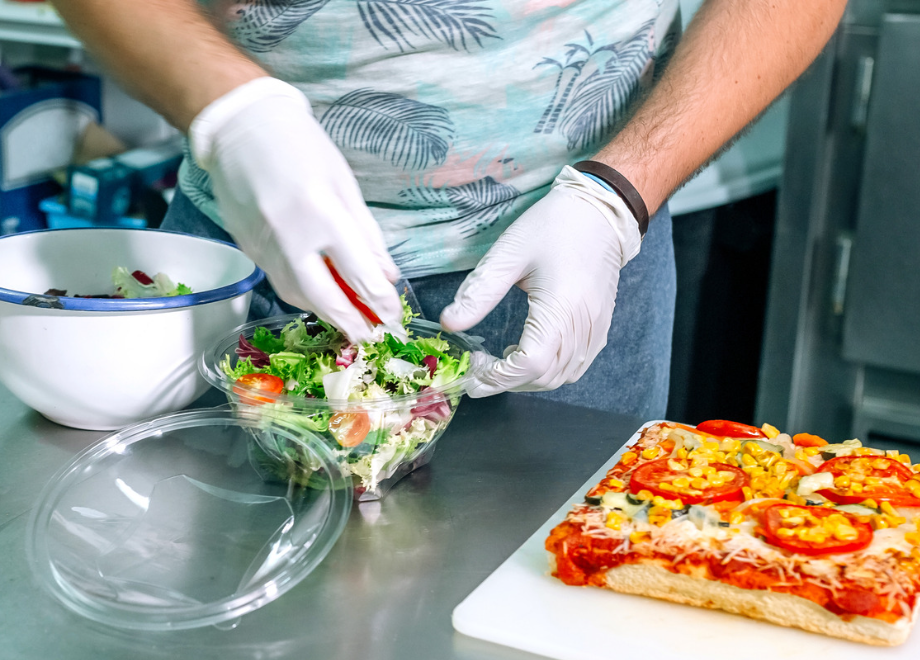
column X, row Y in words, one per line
column 386, row 590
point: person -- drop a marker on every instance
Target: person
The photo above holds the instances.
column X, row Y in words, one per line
column 434, row 141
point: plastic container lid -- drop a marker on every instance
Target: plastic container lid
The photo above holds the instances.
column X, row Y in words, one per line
column 186, row 520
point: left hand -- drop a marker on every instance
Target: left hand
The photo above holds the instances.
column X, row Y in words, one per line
column 566, row 252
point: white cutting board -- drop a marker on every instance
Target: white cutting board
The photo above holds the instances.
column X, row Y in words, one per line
column 522, row 606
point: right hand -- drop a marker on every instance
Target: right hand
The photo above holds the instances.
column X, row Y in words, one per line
column 288, row 198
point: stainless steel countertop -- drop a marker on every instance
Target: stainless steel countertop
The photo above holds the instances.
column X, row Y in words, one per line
column 389, row 586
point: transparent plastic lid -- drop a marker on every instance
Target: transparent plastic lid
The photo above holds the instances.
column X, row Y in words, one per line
column 187, row 520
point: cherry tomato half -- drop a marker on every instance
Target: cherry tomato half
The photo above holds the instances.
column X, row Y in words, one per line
column 350, row 428
column 893, row 474
column 728, row 429
column 246, row 385
column 793, row 517
column 651, row 475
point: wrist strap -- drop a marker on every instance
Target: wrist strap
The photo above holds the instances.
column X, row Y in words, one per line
column 621, row 186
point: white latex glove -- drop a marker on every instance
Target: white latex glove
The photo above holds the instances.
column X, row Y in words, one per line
column 566, row 252
column 288, row 197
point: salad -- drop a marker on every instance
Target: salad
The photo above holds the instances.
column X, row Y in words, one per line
column 137, row 284
column 380, row 404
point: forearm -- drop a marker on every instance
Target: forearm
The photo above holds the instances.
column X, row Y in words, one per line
column 734, row 60
column 165, row 52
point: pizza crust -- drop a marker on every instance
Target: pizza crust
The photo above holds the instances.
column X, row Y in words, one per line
column 779, row 608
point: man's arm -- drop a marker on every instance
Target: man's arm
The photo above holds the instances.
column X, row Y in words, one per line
column 735, row 58
column 165, row 52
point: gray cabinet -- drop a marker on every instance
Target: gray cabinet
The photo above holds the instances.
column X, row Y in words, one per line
column 842, row 340
column 882, row 306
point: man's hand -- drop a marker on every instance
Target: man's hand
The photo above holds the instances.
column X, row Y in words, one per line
column 566, row 252
column 288, row 198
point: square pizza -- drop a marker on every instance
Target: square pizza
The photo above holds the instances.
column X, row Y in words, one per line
column 787, row 529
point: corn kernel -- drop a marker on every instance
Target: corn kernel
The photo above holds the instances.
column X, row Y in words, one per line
column 638, row 537
column 616, row 483
column 716, row 482
column 768, row 459
column 681, row 453
column 770, row 431
column 913, row 538
column 784, row 513
column 681, row 482
column 650, row 453
column 879, row 522
column 677, row 466
column 785, row 532
column 698, row 483
column 800, row 454
column 857, row 476
column 659, row 515
column 873, row 482
column 753, row 449
column 812, row 451
column 887, row 508
column 664, row 485
column 614, row 520
column 644, row 495
column 846, row 533
column 903, row 458
column 729, row 445
column 856, row 488
column 843, row 481
column 872, row 504
column 880, row 464
column 747, row 492
column 629, row 457
column 748, row 460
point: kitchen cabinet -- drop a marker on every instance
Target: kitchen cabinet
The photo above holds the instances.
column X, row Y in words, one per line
column 841, row 355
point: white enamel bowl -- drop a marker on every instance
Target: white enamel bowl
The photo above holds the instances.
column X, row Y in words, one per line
column 105, row 363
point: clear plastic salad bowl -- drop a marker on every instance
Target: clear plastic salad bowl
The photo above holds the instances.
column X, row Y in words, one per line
column 380, row 414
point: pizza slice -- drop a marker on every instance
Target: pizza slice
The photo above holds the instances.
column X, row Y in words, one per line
column 790, row 530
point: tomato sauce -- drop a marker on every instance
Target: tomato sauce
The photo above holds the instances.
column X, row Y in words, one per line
column 584, row 560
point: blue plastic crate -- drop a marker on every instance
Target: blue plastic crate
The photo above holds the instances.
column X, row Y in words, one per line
column 58, row 217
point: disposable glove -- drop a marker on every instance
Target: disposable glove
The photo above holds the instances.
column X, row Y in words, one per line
column 288, row 198
column 566, row 252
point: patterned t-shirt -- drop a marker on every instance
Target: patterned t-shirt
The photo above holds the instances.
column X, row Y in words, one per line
column 455, row 115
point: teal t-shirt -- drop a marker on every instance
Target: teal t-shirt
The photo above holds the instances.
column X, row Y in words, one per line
column 455, row 115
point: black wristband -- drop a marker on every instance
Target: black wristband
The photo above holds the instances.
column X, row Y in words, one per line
column 621, row 186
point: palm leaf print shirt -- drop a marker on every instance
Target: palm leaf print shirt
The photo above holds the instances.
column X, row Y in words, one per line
column 455, row 115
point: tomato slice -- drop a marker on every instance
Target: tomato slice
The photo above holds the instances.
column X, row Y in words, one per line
column 350, row 428
column 891, row 489
column 267, row 383
column 814, row 530
column 650, row 476
column 728, row 429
